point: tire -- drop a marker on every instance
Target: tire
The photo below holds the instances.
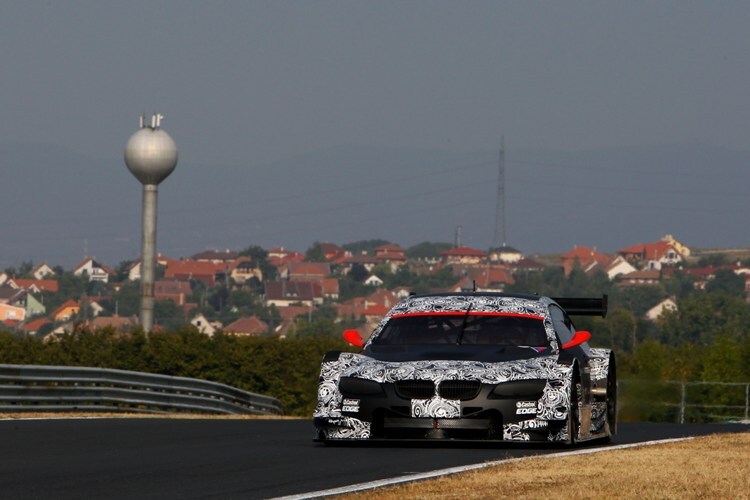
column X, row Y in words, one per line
column 574, row 411
column 612, row 397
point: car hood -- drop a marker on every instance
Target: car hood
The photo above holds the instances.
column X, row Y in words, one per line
column 465, row 352
column 365, row 367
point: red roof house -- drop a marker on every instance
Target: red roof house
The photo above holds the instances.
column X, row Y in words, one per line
column 247, row 326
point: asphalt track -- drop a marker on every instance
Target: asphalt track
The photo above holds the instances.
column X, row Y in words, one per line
column 181, row 459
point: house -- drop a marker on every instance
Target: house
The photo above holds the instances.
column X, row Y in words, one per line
column 482, row 279
column 134, row 272
column 381, row 297
column 401, row 292
column 35, row 285
column 247, row 326
column 289, row 315
column 306, row 271
column 35, row 326
column 285, row 293
column 12, row 296
column 280, row 256
column 12, row 313
column 373, row 280
column 42, row 271
column 463, row 255
column 205, row 326
column 666, row 251
column 331, row 289
column 10, row 324
column 618, row 266
column 33, row 306
column 390, row 254
column 118, row 323
column 377, row 303
column 94, row 307
column 331, row 251
column 527, row 265
column 59, row 331
column 374, row 314
column 244, row 269
column 96, row 271
column 505, row 255
column 668, row 304
column 206, row 272
column 588, row 259
column 344, row 266
column 639, row 278
column 66, row 311
column 701, row 275
column 172, row 289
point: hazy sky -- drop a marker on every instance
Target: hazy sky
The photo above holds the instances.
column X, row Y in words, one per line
column 248, row 83
column 253, row 81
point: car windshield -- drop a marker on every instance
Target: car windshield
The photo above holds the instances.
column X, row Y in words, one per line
column 464, row 329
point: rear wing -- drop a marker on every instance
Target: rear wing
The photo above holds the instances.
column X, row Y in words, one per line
column 584, row 306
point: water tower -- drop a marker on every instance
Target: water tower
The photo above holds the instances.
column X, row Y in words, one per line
column 151, row 155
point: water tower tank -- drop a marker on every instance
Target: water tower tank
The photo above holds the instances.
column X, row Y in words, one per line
column 151, row 155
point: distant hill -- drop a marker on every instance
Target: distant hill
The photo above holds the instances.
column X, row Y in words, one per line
column 57, row 205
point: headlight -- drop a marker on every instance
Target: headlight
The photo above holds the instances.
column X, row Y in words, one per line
column 353, row 387
column 531, row 389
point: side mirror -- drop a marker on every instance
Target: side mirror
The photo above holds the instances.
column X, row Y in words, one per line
column 354, row 338
column 578, row 339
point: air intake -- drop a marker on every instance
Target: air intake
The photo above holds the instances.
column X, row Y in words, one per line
column 459, row 389
column 415, row 389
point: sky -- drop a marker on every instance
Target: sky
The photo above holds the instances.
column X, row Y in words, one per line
column 250, row 83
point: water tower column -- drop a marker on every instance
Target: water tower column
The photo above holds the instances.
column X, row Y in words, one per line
column 148, row 255
column 150, row 155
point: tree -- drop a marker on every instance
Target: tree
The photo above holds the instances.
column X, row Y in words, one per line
column 318, row 328
column 126, row 301
column 702, row 318
column 70, row 287
column 315, row 253
column 712, row 260
column 218, row 297
column 23, row 271
column 622, row 326
column 359, row 273
column 260, row 256
column 364, row 246
column 123, row 269
column 638, row 299
column 168, row 314
column 727, row 281
column 724, row 361
column 427, row 249
column 680, row 285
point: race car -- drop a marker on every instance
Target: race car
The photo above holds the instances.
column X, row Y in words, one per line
column 471, row 366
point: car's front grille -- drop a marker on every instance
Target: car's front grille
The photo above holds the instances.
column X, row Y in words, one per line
column 459, row 389
column 415, row 389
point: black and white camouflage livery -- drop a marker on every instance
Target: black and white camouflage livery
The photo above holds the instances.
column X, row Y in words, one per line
column 556, row 389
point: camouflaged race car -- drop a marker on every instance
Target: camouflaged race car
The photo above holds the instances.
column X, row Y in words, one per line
column 472, row 366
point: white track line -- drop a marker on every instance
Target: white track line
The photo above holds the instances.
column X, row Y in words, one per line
column 464, row 468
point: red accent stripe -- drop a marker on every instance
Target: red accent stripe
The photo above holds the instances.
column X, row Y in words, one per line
column 471, row 313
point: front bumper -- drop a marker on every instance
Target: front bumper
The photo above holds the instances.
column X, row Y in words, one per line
column 489, row 415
